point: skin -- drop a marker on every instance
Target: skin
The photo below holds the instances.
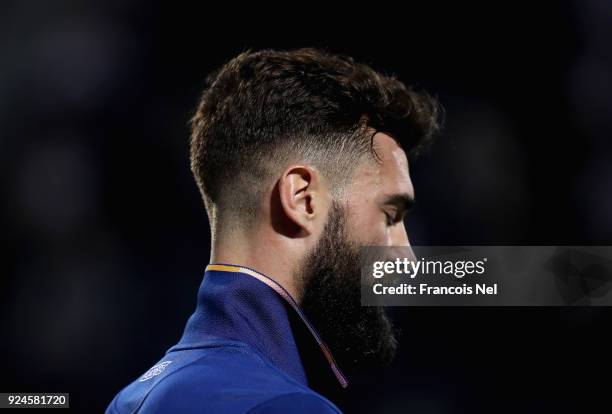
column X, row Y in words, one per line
column 297, row 206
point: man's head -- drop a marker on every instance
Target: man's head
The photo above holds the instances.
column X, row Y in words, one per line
column 308, row 150
column 264, row 110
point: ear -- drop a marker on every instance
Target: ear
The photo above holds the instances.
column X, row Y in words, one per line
column 300, row 194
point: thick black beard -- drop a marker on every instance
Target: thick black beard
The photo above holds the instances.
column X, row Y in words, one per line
column 360, row 337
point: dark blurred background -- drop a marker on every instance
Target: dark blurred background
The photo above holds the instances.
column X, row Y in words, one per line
column 105, row 238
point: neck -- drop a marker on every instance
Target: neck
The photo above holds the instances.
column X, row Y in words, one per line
column 266, row 254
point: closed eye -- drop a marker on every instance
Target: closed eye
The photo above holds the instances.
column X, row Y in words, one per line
column 390, row 220
column 393, row 218
column 396, row 206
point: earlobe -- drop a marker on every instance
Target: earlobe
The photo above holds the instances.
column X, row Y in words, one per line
column 298, row 193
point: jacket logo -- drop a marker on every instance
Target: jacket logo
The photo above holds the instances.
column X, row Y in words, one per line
column 156, row 370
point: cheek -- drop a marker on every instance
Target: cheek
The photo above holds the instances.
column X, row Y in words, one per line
column 367, row 226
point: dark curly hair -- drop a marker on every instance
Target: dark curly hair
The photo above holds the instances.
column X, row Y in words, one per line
column 264, row 109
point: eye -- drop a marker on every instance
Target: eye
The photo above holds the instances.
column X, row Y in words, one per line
column 389, row 219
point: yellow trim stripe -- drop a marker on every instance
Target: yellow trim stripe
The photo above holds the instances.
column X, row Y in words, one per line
column 223, row 268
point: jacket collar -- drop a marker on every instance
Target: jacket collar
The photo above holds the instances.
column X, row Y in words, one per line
column 241, row 304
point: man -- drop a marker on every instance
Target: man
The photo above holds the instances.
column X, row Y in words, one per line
column 300, row 157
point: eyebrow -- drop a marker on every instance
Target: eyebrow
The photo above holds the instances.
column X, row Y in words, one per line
column 403, row 201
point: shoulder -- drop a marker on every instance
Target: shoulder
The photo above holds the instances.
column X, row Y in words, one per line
column 221, row 379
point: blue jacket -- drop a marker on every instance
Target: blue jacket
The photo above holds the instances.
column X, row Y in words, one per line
column 238, row 354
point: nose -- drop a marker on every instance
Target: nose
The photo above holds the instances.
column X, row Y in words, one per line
column 399, row 236
column 399, row 244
